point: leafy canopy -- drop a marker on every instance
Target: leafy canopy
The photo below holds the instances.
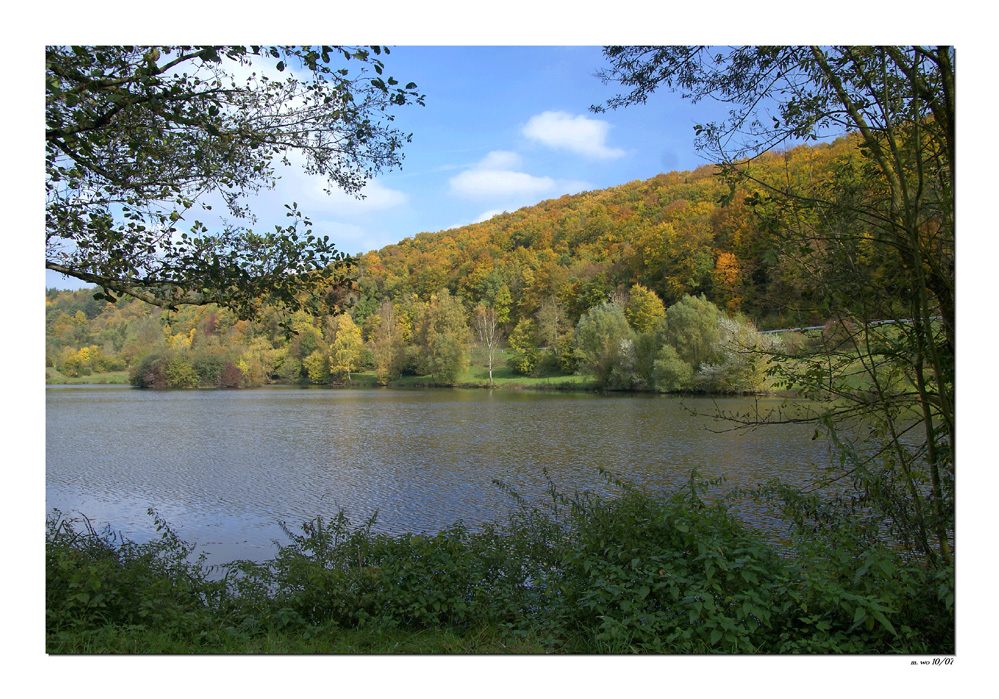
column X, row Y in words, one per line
column 138, row 137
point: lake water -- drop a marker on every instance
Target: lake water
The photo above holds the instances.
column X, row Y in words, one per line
column 224, row 467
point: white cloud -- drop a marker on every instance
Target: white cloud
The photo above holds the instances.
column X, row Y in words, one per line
column 578, row 134
column 484, row 184
column 377, row 197
column 351, row 238
column 495, row 177
column 500, row 160
column 485, row 216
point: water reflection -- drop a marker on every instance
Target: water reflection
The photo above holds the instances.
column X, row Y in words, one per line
column 224, row 467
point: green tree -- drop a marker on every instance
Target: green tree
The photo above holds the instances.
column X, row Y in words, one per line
column 317, row 367
column 385, row 338
column 605, row 346
column 345, row 354
column 288, row 367
column 208, row 368
column 523, row 342
column 502, row 303
column 137, row 137
column 743, row 355
column 150, row 371
column 441, row 335
column 670, row 373
column 874, row 236
column 644, row 309
column 691, row 328
column 553, row 325
column 180, row 373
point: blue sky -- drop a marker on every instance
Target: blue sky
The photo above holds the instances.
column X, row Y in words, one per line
column 503, row 127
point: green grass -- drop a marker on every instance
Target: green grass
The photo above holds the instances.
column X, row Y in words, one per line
column 321, row 640
column 476, row 375
column 53, row 376
column 853, row 371
column 504, row 377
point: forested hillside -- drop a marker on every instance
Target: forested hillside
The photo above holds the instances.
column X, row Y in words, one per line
column 676, row 234
column 654, row 284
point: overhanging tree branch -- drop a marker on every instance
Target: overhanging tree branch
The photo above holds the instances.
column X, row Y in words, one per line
column 135, row 136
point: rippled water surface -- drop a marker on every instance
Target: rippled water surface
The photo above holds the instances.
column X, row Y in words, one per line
column 223, row 467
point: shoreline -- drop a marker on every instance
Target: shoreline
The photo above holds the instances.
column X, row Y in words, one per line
column 568, row 385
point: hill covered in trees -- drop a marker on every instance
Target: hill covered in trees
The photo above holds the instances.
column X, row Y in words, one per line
column 656, row 284
column 681, row 233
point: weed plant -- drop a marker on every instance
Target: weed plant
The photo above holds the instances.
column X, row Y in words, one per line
column 638, row 572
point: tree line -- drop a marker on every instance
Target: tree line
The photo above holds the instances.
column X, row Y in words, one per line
column 630, row 341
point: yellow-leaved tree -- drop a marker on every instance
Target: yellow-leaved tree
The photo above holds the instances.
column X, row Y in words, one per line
column 345, row 354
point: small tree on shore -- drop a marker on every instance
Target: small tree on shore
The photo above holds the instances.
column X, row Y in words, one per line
column 487, row 328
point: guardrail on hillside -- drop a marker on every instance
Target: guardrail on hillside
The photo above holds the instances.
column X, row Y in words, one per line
column 872, row 324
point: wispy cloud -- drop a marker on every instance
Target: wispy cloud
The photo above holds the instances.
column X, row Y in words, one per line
column 501, row 160
column 578, row 134
column 486, row 215
column 377, row 197
column 486, row 184
column 494, row 177
column 353, row 239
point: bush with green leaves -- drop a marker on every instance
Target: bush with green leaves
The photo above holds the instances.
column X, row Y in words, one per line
column 180, row 373
column 859, row 591
column 151, row 371
column 742, row 359
column 96, row 578
column 605, row 346
column 634, row 572
column 669, row 372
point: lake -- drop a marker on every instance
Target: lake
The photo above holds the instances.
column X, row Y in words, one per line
column 224, row 467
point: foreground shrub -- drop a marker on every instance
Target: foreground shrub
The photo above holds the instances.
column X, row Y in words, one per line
column 580, row 574
column 95, row 579
column 673, row 575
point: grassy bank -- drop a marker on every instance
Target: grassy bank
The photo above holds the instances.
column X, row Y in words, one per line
column 53, row 376
column 476, row 375
column 639, row 573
